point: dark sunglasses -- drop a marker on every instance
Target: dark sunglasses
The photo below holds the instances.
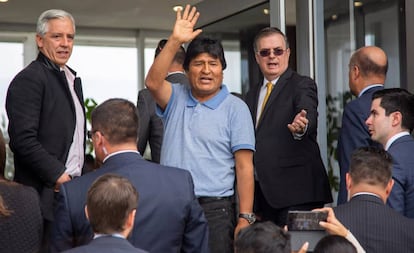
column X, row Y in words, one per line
column 267, row 51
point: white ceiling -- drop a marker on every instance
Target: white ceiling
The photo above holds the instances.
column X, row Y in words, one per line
column 128, row 14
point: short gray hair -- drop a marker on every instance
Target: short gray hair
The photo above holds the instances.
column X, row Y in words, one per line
column 42, row 22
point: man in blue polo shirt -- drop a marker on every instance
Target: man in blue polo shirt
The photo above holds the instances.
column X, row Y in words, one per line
column 208, row 131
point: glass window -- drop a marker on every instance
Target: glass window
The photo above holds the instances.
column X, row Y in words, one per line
column 350, row 25
column 106, row 72
column 11, row 62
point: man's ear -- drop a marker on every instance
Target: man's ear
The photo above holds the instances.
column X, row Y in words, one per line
column 39, row 41
column 396, row 118
column 99, row 138
column 354, row 73
column 348, row 181
column 86, row 212
column 131, row 218
column 389, row 186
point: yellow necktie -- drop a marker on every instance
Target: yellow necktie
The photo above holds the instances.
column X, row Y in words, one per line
column 269, row 87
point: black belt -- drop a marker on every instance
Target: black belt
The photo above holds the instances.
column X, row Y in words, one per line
column 204, row 200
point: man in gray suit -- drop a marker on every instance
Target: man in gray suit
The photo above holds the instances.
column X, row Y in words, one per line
column 376, row 226
column 151, row 128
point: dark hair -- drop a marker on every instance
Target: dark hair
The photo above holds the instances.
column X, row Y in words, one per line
column 371, row 165
column 263, row 237
column 207, row 45
column 397, row 99
column 265, row 32
column 334, row 244
column 179, row 56
column 117, row 119
column 111, row 198
column 366, row 65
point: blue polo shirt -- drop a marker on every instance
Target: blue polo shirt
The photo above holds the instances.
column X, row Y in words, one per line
column 202, row 138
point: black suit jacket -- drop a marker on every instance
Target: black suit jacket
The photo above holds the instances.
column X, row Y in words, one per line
column 354, row 134
column 290, row 172
column 107, row 244
column 151, row 128
column 168, row 219
column 377, row 227
column 42, row 121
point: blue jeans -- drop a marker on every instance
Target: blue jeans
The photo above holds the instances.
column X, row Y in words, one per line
column 221, row 220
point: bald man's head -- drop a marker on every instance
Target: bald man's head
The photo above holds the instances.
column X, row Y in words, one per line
column 367, row 66
column 372, row 62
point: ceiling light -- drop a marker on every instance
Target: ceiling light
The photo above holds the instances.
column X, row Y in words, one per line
column 177, row 8
column 358, row 3
column 334, row 17
column 3, row 1
column 266, row 11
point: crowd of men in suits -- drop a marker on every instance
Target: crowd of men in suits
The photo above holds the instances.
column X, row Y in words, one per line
column 208, row 147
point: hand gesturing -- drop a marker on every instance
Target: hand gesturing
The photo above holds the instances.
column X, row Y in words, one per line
column 184, row 25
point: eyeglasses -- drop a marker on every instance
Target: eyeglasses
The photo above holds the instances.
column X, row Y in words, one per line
column 267, row 51
column 90, row 133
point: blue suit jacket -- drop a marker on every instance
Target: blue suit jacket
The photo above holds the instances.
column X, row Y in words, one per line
column 107, row 244
column 168, row 219
column 354, row 134
column 402, row 194
column 376, row 226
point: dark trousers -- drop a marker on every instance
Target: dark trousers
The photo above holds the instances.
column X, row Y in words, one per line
column 279, row 216
column 220, row 216
column 47, row 228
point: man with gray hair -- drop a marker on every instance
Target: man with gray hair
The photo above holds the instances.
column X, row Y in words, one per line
column 44, row 105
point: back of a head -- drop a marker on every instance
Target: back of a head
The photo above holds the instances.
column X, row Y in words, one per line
column 371, row 165
column 372, row 62
column 42, row 22
column 263, row 237
column 334, row 244
column 117, row 119
column 179, row 56
column 109, row 201
column 397, row 99
column 207, row 45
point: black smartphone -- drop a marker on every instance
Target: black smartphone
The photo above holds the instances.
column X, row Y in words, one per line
column 305, row 220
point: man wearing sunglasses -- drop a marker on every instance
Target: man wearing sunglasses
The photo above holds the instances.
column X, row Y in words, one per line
column 289, row 172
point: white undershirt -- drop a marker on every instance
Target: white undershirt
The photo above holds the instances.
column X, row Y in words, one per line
column 395, row 137
column 75, row 158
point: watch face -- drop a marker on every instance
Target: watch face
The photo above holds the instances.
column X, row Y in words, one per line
column 250, row 217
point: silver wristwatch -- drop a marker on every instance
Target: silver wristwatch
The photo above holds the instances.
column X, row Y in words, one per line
column 250, row 217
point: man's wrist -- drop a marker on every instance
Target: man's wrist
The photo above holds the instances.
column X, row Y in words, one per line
column 249, row 217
